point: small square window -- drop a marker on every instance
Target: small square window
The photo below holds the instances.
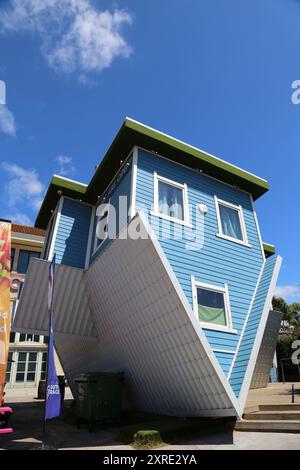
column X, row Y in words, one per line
column 231, row 223
column 170, row 200
column 212, row 306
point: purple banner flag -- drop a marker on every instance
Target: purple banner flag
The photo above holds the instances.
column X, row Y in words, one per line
column 53, row 401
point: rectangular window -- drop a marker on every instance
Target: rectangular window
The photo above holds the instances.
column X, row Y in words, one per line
column 170, row 200
column 212, row 306
column 9, row 364
column 26, row 367
column 12, row 258
column 28, row 337
column 44, row 366
column 24, row 258
column 231, row 224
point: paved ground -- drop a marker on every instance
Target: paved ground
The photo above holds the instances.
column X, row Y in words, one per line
column 274, row 394
column 28, row 417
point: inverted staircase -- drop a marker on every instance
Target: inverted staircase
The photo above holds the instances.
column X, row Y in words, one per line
column 271, row 418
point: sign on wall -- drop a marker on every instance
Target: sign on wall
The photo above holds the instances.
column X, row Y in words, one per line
column 5, row 237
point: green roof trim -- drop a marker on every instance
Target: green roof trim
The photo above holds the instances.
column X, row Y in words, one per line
column 200, row 154
column 66, row 183
column 58, row 186
column 269, row 249
column 133, row 133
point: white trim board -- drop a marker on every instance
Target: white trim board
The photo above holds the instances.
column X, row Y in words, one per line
column 90, row 238
column 246, row 320
column 55, row 229
column 258, row 229
column 259, row 335
column 133, row 183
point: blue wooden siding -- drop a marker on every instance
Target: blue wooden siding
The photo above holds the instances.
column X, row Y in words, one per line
column 219, row 261
column 122, row 188
column 72, row 234
column 244, row 352
column 225, row 360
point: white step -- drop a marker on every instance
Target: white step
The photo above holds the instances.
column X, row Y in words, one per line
column 268, row 426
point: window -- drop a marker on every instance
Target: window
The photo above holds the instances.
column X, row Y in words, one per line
column 101, row 225
column 212, row 306
column 12, row 258
column 231, row 223
column 12, row 337
column 28, row 337
column 44, row 366
column 26, row 367
column 170, row 200
column 9, row 364
column 24, row 258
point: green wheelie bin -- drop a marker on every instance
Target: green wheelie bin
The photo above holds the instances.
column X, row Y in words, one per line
column 99, row 397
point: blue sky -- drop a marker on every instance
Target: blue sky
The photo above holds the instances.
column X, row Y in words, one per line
column 214, row 73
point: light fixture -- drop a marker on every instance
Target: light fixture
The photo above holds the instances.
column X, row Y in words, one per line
column 203, row 208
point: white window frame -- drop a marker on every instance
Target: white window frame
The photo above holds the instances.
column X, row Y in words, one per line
column 222, row 290
column 96, row 247
column 239, row 210
column 183, row 187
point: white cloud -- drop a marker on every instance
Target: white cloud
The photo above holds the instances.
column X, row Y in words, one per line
column 75, row 35
column 19, row 218
column 23, row 187
column 288, row 292
column 7, row 121
column 65, row 165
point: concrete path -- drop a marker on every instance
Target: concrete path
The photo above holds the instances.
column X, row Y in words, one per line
column 274, row 394
column 28, row 417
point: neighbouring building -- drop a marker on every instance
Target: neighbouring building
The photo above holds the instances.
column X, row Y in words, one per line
column 28, row 350
column 27, row 356
column 161, row 273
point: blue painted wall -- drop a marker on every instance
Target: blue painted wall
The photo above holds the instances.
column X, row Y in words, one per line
column 240, row 365
column 219, row 261
column 72, row 234
column 122, row 187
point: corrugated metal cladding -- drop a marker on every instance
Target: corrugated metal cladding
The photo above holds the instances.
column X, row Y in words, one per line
column 72, row 234
column 72, row 314
column 77, row 355
column 218, row 261
column 253, row 322
column 267, row 348
column 145, row 330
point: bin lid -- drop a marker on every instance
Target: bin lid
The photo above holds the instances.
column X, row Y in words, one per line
column 94, row 376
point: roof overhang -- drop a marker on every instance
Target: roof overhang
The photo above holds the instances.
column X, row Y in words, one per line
column 133, row 133
column 269, row 249
column 59, row 186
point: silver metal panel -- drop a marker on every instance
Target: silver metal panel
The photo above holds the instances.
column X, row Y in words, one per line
column 266, row 352
column 145, row 330
column 72, row 314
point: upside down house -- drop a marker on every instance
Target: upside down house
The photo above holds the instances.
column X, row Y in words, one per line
column 161, row 273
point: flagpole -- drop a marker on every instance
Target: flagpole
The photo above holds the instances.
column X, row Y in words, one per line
column 48, row 349
column 45, row 402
